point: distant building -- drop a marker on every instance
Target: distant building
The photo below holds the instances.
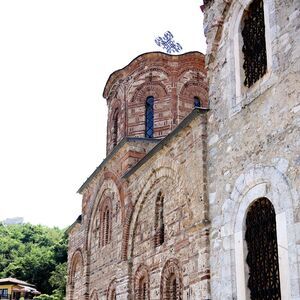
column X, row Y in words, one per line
column 13, row 221
column 14, row 289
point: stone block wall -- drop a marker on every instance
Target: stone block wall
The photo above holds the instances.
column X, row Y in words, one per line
column 253, row 143
column 172, row 171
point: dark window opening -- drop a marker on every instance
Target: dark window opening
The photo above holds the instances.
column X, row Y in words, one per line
column 173, row 290
column 262, row 258
column 159, row 220
column 115, row 127
column 106, row 227
column 197, row 102
column 149, row 124
column 254, row 43
column 143, row 289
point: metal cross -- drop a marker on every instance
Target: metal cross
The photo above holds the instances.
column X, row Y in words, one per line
column 167, row 43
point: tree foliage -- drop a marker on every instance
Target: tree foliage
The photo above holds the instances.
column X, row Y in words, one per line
column 36, row 254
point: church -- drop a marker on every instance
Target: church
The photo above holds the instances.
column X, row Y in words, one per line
column 199, row 194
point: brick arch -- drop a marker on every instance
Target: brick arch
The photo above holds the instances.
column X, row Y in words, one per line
column 191, row 89
column 111, row 290
column 108, row 180
column 199, row 72
column 257, row 182
column 153, row 176
column 76, row 262
column 171, row 268
column 142, row 273
column 94, row 295
column 159, row 70
column 77, row 258
column 149, row 88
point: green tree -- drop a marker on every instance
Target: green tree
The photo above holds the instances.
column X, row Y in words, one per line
column 35, row 253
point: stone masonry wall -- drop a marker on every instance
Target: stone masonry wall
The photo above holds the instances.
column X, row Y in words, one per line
column 173, row 171
column 253, row 143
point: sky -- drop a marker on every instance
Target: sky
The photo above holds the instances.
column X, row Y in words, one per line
column 55, row 59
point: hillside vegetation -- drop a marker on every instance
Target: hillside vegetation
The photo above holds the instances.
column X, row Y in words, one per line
column 36, row 254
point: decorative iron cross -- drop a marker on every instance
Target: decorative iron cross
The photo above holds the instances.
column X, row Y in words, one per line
column 167, row 43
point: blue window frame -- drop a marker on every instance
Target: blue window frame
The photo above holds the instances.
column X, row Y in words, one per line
column 149, row 124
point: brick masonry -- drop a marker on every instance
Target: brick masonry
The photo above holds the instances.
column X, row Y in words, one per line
column 209, row 165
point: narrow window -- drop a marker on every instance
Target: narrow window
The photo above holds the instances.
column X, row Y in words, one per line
column 106, row 226
column 149, row 123
column 254, row 43
column 172, row 288
column 115, row 127
column 159, row 220
column 197, row 102
column 143, row 289
column 262, row 258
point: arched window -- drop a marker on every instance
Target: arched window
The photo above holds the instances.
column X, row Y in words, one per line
column 254, row 43
column 106, row 226
column 159, row 220
column 172, row 288
column 197, row 102
column 143, row 289
column 262, row 258
column 171, row 281
column 149, row 121
column 141, row 284
column 115, row 127
column 75, row 276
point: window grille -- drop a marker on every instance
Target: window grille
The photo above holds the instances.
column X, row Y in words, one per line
column 149, row 126
column 262, row 258
column 159, row 220
column 254, row 43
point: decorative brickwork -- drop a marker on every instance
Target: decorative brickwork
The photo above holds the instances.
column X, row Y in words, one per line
column 142, row 283
column 171, row 281
column 160, row 76
column 111, row 291
column 75, row 276
column 94, row 295
column 211, row 165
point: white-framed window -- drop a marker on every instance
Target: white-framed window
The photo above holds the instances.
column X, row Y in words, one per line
column 250, row 52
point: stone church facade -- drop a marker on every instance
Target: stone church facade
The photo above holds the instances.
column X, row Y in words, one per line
column 198, row 197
